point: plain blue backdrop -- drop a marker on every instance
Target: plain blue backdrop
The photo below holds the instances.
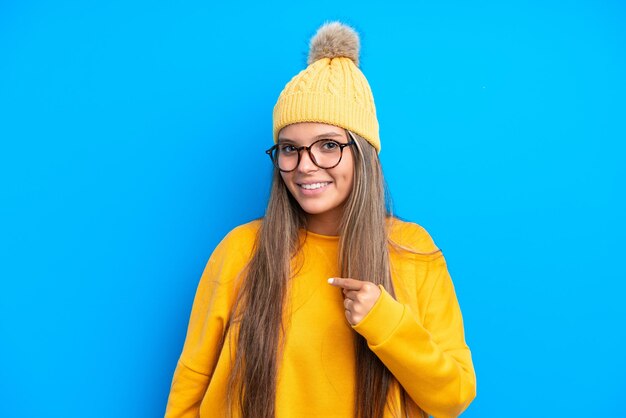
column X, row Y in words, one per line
column 132, row 137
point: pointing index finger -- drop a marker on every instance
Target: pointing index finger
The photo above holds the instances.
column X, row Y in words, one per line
column 349, row 284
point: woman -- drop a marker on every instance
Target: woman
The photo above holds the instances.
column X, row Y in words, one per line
column 328, row 306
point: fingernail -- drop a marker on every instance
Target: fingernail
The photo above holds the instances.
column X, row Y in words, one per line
column 331, row 280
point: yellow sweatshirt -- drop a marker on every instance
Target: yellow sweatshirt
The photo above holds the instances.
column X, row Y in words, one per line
column 419, row 336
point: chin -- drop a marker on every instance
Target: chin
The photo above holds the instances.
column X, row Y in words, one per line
column 320, row 208
column 320, row 205
column 315, row 209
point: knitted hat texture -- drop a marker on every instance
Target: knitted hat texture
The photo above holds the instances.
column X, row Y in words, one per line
column 332, row 89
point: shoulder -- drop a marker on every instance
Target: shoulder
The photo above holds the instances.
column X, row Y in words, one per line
column 244, row 232
column 242, row 237
column 412, row 237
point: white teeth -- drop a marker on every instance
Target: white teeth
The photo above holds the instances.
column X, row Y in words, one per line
column 314, row 186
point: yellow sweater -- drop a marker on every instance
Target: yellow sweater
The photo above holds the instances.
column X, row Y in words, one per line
column 419, row 337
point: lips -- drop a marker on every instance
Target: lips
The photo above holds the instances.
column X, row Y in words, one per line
column 313, row 186
column 312, row 189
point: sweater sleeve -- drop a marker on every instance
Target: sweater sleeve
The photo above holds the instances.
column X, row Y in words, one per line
column 430, row 359
column 209, row 315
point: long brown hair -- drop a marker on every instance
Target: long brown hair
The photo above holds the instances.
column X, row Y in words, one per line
column 363, row 254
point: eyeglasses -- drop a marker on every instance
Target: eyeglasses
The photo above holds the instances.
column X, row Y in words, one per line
column 325, row 153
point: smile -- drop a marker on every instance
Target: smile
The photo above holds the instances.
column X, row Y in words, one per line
column 314, row 186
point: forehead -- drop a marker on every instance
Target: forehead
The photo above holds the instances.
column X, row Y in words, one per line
column 306, row 132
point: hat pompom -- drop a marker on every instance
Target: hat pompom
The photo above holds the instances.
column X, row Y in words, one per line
column 332, row 40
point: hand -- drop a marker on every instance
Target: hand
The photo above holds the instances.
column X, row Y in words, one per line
column 359, row 297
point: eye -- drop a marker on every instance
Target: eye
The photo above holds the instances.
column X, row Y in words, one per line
column 329, row 145
column 287, row 149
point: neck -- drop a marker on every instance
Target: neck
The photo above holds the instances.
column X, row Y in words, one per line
column 325, row 223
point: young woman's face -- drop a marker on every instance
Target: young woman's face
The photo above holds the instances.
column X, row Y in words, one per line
column 320, row 192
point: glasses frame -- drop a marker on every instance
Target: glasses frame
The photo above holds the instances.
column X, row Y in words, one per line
column 299, row 149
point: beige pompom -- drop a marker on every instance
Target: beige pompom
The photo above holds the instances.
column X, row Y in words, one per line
column 332, row 40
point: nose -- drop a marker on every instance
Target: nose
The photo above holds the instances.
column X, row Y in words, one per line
column 306, row 165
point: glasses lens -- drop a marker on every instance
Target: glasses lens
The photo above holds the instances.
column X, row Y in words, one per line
column 285, row 157
column 326, row 153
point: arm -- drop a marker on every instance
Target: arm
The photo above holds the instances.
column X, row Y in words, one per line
column 194, row 367
column 211, row 309
column 188, row 387
column 429, row 358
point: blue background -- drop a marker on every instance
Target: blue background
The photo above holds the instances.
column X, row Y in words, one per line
column 132, row 138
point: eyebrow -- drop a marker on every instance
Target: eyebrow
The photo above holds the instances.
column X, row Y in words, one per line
column 315, row 138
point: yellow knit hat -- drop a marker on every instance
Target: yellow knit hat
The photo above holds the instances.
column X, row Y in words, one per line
column 331, row 89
